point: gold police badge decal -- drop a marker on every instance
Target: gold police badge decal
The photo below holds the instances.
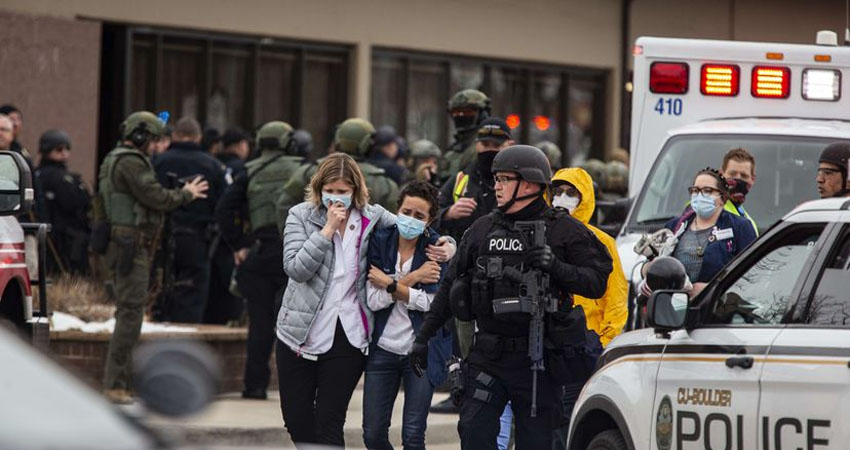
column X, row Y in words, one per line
column 664, row 424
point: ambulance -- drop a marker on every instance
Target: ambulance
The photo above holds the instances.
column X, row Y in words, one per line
column 760, row 358
column 693, row 100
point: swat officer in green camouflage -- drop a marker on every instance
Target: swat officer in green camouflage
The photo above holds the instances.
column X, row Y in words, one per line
column 467, row 108
column 131, row 205
column 257, row 247
column 355, row 137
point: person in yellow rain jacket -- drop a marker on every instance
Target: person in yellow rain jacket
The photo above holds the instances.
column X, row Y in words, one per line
column 573, row 191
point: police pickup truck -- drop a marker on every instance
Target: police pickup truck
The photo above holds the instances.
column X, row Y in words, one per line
column 694, row 100
column 757, row 361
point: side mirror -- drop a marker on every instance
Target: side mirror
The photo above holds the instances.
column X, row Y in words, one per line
column 667, row 310
column 16, row 192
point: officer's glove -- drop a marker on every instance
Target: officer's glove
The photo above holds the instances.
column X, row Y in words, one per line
column 418, row 356
column 542, row 258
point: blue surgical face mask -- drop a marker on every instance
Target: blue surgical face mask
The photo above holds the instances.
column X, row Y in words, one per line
column 329, row 199
column 408, row 227
column 703, row 205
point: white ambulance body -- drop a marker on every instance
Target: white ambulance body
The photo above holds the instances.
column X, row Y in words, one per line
column 696, row 99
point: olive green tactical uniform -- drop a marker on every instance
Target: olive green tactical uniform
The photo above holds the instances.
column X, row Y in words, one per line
column 134, row 203
column 461, row 153
column 268, row 175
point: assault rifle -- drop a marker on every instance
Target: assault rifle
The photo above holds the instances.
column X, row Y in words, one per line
column 534, row 296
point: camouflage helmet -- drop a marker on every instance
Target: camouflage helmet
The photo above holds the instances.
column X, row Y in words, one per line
column 139, row 126
column 275, row 135
column 470, row 98
column 553, row 152
column 424, row 148
column 355, row 137
column 597, row 171
column 617, row 177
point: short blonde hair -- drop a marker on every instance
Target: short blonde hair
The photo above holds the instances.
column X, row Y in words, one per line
column 338, row 166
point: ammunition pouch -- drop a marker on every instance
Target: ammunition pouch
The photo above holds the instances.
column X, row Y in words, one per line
column 460, row 299
column 126, row 247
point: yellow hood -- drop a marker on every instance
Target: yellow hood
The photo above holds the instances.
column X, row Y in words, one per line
column 579, row 178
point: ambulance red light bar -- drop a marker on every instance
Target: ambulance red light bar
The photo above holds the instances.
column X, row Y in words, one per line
column 719, row 79
column 668, row 78
column 771, row 82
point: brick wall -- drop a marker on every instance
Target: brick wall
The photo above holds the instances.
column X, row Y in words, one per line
column 85, row 353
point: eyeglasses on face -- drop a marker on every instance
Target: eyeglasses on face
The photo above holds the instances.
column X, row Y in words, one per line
column 704, row 190
column 493, row 131
column 502, row 179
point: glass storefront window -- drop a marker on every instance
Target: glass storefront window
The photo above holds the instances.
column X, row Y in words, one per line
column 324, row 104
column 580, row 137
column 388, row 92
column 275, row 86
column 545, row 108
column 225, row 81
column 507, row 93
column 226, row 99
column 181, row 77
column 426, row 111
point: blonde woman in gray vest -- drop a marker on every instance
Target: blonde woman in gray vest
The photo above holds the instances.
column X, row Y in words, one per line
column 324, row 325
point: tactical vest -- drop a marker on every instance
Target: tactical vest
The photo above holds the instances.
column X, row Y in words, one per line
column 502, row 247
column 267, row 176
column 121, row 208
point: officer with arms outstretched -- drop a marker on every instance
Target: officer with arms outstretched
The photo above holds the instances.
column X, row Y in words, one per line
column 512, row 265
column 129, row 212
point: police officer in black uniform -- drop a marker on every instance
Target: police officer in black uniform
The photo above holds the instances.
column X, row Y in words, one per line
column 464, row 198
column 64, row 203
column 190, row 224
column 498, row 368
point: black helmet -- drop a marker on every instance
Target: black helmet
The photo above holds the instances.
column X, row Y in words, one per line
column 303, row 142
column 666, row 272
column 529, row 162
column 52, row 139
column 838, row 154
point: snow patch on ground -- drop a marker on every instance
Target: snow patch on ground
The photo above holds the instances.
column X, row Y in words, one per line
column 60, row 321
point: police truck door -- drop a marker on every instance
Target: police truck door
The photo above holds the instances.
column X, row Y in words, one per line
column 709, row 376
column 805, row 399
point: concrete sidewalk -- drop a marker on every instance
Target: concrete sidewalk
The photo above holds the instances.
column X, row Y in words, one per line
column 233, row 421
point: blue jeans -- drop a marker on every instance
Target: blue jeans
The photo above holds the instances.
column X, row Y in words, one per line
column 505, row 422
column 384, row 373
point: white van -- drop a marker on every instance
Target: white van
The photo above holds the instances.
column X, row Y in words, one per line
column 696, row 99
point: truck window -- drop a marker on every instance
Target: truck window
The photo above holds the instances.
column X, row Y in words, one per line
column 830, row 305
column 785, row 176
column 762, row 294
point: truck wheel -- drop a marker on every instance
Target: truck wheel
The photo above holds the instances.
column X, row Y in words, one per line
column 608, row 440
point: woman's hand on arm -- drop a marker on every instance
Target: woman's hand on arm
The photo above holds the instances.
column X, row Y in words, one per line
column 428, row 273
column 443, row 251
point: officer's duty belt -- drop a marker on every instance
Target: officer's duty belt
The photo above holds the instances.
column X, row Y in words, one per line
column 507, row 344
